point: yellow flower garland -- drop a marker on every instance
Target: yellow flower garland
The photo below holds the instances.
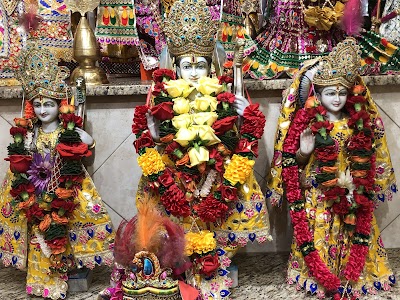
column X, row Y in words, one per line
column 199, row 242
column 239, row 169
column 151, row 162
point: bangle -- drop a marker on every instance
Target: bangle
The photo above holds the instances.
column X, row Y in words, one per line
column 92, row 145
column 298, row 153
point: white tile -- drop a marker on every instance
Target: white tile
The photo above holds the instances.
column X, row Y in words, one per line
column 117, row 179
column 115, row 217
column 390, row 235
column 110, row 125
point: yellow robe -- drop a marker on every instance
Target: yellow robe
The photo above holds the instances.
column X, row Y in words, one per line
column 331, row 239
column 90, row 231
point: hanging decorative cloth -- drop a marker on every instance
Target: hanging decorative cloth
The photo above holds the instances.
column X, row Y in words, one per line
column 116, row 23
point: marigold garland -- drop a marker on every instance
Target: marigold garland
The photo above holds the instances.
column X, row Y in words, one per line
column 357, row 215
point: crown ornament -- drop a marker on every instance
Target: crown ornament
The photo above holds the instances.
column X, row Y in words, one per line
column 190, row 30
column 147, row 280
column 341, row 66
column 40, row 74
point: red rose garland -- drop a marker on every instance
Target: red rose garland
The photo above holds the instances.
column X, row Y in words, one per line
column 360, row 212
column 176, row 199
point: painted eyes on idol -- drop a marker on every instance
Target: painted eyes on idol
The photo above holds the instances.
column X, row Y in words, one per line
column 199, row 66
column 38, row 104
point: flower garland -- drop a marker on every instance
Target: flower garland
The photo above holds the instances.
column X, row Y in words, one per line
column 198, row 136
column 44, row 202
column 353, row 202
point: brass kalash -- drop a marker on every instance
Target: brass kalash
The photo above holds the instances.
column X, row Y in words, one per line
column 86, row 49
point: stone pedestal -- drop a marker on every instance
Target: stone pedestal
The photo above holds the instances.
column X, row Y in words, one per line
column 80, row 280
column 234, row 275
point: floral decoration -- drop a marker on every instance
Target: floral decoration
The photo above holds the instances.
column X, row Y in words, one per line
column 45, row 200
column 350, row 194
column 199, row 137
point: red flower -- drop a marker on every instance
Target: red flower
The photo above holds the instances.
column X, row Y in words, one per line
column 210, row 209
column 18, row 130
column 158, row 88
column 29, row 188
column 361, row 199
column 209, row 264
column 226, row 97
column 175, row 202
column 363, row 115
column 327, row 153
column 166, row 179
column 334, row 193
column 369, row 60
column 57, row 245
column 71, row 118
column 216, row 156
column 139, row 119
column 223, row 125
column 322, row 124
column 225, row 79
column 73, row 151
column 254, row 121
column 360, row 141
column 145, row 140
column 171, row 148
column 19, row 163
column 34, row 212
column 311, row 49
column 160, row 74
column 342, row 207
column 67, row 206
column 384, row 42
column 163, row 111
column 76, row 179
column 228, row 193
column 244, row 146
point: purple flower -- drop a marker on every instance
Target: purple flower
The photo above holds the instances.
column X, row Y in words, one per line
column 40, row 171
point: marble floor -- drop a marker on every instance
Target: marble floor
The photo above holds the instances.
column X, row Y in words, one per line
column 261, row 276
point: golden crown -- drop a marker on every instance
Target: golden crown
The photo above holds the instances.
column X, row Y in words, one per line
column 40, row 74
column 189, row 29
column 341, row 66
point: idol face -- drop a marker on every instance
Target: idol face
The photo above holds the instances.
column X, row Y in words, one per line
column 192, row 69
column 333, row 98
column 45, row 109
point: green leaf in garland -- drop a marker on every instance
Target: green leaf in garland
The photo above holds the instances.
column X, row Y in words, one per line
column 160, row 99
column 55, row 231
column 322, row 177
column 166, row 128
column 17, row 148
column 71, row 167
column 361, row 166
column 321, row 142
column 18, row 180
column 229, row 139
column 69, row 136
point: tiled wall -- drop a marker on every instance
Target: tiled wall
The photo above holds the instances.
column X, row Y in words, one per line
column 116, row 173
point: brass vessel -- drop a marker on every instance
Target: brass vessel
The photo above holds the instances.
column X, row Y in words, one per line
column 87, row 53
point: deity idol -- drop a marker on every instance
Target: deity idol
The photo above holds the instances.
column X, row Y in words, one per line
column 197, row 143
column 332, row 164
column 52, row 218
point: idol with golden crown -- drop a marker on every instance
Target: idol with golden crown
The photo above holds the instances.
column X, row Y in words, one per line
column 52, row 218
column 332, row 165
column 197, row 143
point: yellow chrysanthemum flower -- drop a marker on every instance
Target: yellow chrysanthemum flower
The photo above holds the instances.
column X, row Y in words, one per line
column 151, row 162
column 199, row 242
column 239, row 169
